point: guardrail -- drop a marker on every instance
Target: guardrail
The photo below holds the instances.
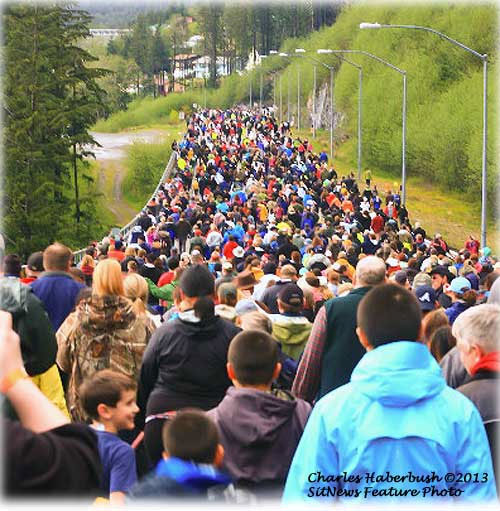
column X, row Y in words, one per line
column 78, row 255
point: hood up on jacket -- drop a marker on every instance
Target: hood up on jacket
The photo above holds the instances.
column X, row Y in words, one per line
column 106, row 312
column 260, row 432
column 251, row 417
column 384, row 374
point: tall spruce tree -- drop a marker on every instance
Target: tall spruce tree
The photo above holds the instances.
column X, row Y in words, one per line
column 50, row 100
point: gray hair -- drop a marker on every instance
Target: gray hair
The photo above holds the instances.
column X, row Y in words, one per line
column 479, row 325
column 370, row 271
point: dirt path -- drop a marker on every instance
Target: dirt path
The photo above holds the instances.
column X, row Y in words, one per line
column 110, row 158
column 111, row 175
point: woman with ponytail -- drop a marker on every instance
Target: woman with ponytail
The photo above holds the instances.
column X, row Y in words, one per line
column 184, row 364
column 136, row 290
column 462, row 297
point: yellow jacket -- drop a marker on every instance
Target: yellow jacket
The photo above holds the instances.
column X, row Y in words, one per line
column 50, row 385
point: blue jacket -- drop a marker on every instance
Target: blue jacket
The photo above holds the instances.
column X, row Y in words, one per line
column 58, row 291
column 396, row 415
column 455, row 309
column 178, row 478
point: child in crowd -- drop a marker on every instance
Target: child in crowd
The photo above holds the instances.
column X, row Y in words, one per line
column 191, row 455
column 259, row 428
column 108, row 398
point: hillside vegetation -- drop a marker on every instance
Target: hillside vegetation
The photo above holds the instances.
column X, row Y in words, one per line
column 444, row 118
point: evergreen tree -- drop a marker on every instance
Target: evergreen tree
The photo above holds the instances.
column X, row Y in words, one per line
column 50, row 100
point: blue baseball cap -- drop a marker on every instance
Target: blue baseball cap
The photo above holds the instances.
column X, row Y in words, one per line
column 460, row 285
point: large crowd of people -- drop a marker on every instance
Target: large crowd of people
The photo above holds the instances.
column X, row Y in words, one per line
column 264, row 320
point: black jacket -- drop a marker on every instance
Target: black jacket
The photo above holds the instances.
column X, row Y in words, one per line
column 185, row 363
column 482, row 390
column 61, row 462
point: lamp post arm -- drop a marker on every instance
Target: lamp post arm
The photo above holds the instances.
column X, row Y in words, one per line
column 374, row 57
column 440, row 34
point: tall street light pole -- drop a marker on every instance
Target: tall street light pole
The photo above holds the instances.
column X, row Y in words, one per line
column 314, row 101
column 250, row 91
column 281, row 98
column 298, row 50
column 484, row 58
column 403, row 143
column 261, row 81
column 360, row 100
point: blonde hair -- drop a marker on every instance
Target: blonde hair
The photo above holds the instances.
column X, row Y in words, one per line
column 107, row 278
column 130, row 251
column 136, row 288
column 87, row 260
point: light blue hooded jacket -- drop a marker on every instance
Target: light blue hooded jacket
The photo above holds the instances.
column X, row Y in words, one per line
column 396, row 415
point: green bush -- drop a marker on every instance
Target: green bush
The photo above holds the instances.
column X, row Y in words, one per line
column 145, row 164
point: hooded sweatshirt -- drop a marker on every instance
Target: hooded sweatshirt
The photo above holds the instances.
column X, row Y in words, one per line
column 103, row 333
column 398, row 416
column 260, row 432
column 292, row 332
column 185, row 363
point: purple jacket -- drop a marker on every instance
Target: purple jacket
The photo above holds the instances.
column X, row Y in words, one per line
column 58, row 291
column 260, row 432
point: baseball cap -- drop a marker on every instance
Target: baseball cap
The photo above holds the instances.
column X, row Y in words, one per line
column 443, row 271
column 421, row 279
column 227, row 265
column 426, row 297
column 460, row 285
column 244, row 306
column 35, row 261
column 291, row 294
column 401, row 277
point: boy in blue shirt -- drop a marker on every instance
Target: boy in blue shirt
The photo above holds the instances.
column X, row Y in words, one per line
column 108, row 398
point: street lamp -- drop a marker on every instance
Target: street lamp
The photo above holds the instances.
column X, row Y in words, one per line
column 298, row 86
column 360, row 102
column 298, row 50
column 260, row 96
column 281, row 54
column 403, row 74
column 484, row 58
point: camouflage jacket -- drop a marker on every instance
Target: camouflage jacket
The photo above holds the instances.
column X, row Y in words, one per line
column 103, row 333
